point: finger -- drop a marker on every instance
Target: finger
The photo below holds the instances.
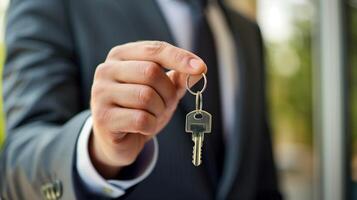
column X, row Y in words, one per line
column 141, row 72
column 180, row 81
column 136, row 96
column 119, row 120
column 163, row 53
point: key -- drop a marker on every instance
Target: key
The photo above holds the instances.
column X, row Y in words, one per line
column 198, row 122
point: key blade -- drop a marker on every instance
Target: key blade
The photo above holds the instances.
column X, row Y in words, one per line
column 197, row 138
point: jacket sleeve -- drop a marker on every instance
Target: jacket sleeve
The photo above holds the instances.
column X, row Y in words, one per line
column 41, row 100
column 268, row 188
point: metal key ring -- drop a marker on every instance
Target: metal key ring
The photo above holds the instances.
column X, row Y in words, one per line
column 204, row 84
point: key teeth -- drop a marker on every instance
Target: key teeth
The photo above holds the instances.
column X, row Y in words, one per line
column 199, row 161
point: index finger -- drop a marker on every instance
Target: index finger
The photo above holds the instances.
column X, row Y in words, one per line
column 163, row 53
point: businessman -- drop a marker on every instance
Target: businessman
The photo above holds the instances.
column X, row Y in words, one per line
column 95, row 101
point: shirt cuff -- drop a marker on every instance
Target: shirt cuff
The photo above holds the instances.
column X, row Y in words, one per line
column 95, row 183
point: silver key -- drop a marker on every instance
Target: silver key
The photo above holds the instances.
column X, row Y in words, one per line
column 198, row 122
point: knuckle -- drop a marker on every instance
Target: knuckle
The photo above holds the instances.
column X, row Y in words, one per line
column 152, row 71
column 102, row 71
column 155, row 47
column 97, row 90
column 142, row 121
column 180, row 56
column 115, row 51
column 146, row 94
column 102, row 115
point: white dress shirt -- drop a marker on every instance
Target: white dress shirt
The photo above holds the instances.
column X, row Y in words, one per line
column 178, row 16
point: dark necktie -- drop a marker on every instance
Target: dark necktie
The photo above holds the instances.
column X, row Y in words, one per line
column 204, row 46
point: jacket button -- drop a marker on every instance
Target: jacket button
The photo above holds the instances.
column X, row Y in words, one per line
column 52, row 191
column 57, row 187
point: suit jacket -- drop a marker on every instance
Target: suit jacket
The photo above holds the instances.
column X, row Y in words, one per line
column 53, row 48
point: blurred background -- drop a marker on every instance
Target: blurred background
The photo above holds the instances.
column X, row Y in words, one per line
column 3, row 5
column 294, row 34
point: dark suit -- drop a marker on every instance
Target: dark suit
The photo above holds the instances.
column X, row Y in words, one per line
column 53, row 48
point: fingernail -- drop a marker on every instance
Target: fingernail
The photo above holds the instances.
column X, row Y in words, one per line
column 195, row 63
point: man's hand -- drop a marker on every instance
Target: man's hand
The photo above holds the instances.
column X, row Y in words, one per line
column 133, row 99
